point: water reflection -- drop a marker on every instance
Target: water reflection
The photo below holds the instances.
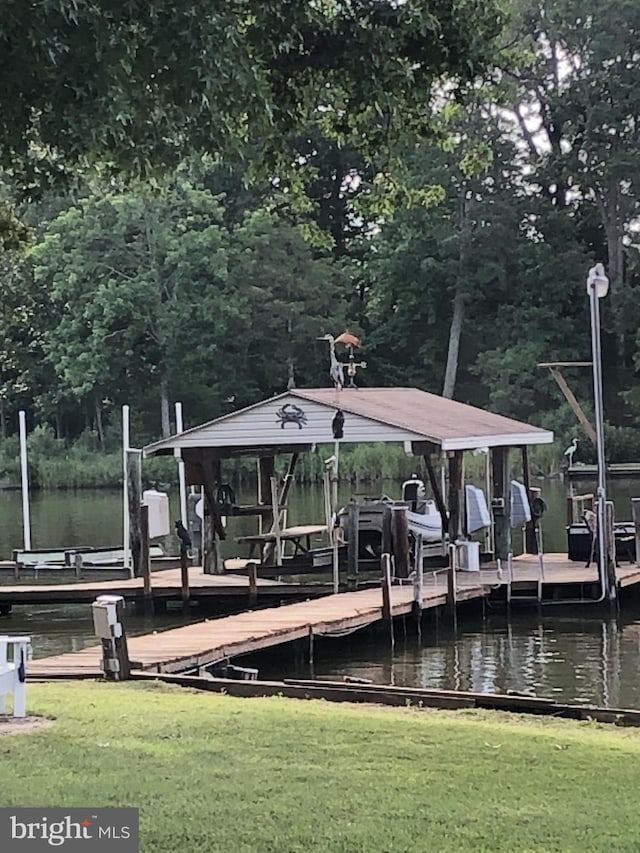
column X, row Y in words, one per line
column 580, row 659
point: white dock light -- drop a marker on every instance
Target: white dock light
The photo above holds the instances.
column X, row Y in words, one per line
column 597, row 280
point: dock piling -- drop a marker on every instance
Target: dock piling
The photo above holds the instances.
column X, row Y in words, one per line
column 387, row 612
column 252, row 572
column 635, row 506
column 184, row 580
column 145, row 560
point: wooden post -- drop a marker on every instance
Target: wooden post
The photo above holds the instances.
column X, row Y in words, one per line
column 212, row 527
column 386, row 531
column 311, row 649
column 451, row 580
column 530, row 538
column 456, row 502
column 275, row 509
column 387, row 612
column 134, row 491
column 501, row 502
column 77, row 560
column 418, row 581
column 353, row 543
column 437, row 491
column 635, row 506
column 284, row 495
column 145, row 560
column 184, row 579
column 611, row 550
column 400, row 540
column 253, row 583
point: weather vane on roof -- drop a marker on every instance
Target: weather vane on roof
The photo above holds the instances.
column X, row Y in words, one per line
column 337, row 368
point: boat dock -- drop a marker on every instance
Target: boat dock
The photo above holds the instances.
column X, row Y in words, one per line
column 208, row 642
column 204, row 643
column 166, row 585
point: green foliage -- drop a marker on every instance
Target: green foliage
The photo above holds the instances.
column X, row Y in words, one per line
column 137, row 86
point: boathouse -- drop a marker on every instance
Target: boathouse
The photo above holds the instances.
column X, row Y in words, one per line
column 435, row 430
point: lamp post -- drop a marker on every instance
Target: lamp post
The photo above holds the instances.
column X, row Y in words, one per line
column 597, row 288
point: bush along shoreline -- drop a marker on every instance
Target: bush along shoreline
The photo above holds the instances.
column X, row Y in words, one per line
column 54, row 464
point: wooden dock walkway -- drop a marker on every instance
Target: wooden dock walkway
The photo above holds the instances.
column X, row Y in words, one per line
column 204, row 643
column 165, row 585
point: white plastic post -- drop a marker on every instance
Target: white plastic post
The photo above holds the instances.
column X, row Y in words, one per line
column 10, row 681
column 26, row 518
column 126, row 533
column 181, row 473
column 3, row 663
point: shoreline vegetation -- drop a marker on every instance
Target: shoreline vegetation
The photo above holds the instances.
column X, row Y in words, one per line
column 217, row 773
column 54, row 464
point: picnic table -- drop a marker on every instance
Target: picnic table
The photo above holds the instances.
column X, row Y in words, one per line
column 299, row 535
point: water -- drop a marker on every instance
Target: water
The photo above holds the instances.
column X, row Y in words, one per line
column 569, row 658
column 581, row 658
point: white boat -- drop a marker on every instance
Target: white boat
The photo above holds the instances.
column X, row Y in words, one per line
column 422, row 515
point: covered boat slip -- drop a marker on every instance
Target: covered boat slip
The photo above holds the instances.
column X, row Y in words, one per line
column 435, row 430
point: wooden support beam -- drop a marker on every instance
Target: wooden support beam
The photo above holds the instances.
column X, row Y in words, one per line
column 437, row 491
column 213, row 529
column 400, row 540
column 500, row 503
column 134, row 490
column 571, row 399
column 387, row 610
column 353, row 540
column 252, row 572
column 530, row 537
column 145, row 560
column 456, row 495
column 451, row 581
column 184, row 579
column 635, row 505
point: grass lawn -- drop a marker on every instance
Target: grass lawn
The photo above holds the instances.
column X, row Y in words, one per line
column 214, row 773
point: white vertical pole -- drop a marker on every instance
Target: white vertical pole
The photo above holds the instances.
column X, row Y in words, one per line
column 334, row 518
column 181, row 474
column 4, row 644
column 126, row 546
column 26, row 518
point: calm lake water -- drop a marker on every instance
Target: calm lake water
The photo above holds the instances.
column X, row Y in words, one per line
column 570, row 655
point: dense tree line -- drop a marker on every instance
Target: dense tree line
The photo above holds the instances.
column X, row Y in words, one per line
column 456, row 242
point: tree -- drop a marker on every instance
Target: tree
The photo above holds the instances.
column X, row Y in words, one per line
column 136, row 83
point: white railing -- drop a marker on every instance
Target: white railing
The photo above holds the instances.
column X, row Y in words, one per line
column 13, row 673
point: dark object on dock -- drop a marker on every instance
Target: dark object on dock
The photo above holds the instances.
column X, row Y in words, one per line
column 580, row 540
column 237, row 673
column 183, row 535
column 352, row 679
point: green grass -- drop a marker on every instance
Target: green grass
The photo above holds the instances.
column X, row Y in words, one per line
column 214, row 773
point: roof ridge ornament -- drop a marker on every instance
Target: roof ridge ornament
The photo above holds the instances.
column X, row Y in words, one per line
column 337, row 368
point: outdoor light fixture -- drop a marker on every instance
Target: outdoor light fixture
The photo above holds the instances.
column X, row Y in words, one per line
column 597, row 280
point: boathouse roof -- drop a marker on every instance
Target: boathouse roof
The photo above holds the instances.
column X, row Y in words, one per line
column 303, row 417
